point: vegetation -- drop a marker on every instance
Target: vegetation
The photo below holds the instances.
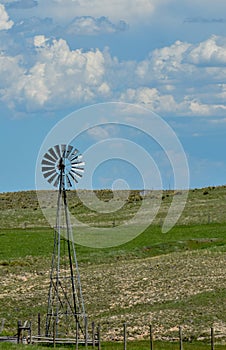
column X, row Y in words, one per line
column 171, row 279
column 135, row 345
column 21, row 209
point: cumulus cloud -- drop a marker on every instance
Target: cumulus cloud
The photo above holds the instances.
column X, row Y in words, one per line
column 165, row 63
column 10, row 70
column 169, row 81
column 205, row 109
column 153, row 99
column 5, row 22
column 211, row 52
column 59, row 76
column 87, row 25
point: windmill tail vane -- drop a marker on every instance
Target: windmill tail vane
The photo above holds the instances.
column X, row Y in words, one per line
column 62, row 166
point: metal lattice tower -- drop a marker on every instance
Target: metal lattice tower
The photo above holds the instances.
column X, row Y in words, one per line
column 61, row 166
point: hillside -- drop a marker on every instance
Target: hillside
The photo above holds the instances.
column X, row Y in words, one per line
column 21, row 209
column 168, row 280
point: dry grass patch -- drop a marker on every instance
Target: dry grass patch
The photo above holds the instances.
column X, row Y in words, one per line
column 185, row 289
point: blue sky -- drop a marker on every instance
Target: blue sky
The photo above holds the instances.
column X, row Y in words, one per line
column 57, row 56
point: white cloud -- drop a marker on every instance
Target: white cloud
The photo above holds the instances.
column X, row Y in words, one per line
column 151, row 98
column 5, row 22
column 104, row 89
column 127, row 10
column 11, row 74
column 10, row 71
column 144, row 95
column 87, row 25
column 199, row 108
column 205, row 109
column 166, row 81
column 40, row 40
column 99, row 133
column 211, row 52
column 59, row 76
column 165, row 63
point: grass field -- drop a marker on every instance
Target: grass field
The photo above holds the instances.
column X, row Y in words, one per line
column 171, row 279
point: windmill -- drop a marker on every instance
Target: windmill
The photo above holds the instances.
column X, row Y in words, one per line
column 62, row 165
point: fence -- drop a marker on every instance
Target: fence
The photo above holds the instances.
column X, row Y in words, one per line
column 25, row 334
column 93, row 336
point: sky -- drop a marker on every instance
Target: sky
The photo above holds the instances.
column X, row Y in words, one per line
column 60, row 56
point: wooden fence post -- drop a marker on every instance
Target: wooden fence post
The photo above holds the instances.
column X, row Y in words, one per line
column 86, row 331
column 39, row 324
column 124, row 335
column 30, row 334
column 93, row 334
column 18, row 331
column 151, row 337
column 54, row 332
column 76, row 335
column 212, row 338
column 98, row 332
column 181, row 338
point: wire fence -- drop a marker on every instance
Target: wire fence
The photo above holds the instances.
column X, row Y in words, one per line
column 97, row 334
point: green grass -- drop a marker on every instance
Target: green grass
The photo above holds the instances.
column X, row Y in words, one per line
column 38, row 242
column 19, row 243
column 134, row 345
column 159, row 345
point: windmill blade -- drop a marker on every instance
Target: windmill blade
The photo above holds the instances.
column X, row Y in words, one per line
column 68, row 181
column 53, row 154
column 46, row 162
column 77, row 159
column 48, row 156
column 56, row 183
column 47, row 168
column 75, row 151
column 57, row 148
column 77, row 168
column 78, row 163
column 73, row 159
column 81, row 169
column 69, row 149
column 73, row 155
column 76, row 173
column 52, row 178
column 73, row 177
column 49, row 173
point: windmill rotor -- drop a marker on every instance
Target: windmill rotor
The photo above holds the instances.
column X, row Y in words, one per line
column 63, row 159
